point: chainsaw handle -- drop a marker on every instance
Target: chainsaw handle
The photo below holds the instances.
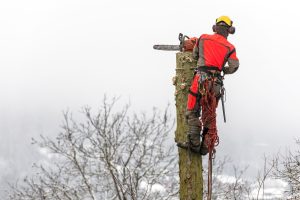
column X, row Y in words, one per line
column 181, row 38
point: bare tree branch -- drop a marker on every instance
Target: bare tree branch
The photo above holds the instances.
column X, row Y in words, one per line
column 107, row 155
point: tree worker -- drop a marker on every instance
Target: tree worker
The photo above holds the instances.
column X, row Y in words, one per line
column 212, row 53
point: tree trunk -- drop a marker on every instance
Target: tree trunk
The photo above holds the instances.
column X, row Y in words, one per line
column 190, row 164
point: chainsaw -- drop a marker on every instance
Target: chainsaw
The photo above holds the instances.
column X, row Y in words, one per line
column 185, row 44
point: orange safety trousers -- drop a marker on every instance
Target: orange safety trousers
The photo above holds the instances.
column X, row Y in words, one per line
column 195, row 97
column 193, row 100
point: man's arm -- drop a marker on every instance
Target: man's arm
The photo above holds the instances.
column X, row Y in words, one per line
column 196, row 52
column 233, row 63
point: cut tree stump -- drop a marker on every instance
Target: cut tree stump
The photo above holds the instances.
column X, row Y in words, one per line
column 190, row 164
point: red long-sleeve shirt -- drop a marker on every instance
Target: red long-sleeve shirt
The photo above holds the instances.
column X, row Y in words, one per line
column 214, row 51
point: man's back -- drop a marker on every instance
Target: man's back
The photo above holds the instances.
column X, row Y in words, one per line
column 213, row 51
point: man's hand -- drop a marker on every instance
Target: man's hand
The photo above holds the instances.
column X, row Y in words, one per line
column 230, row 69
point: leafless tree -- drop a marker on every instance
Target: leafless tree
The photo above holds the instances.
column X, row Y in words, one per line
column 225, row 187
column 287, row 168
column 238, row 186
column 118, row 155
column 107, row 155
column 262, row 176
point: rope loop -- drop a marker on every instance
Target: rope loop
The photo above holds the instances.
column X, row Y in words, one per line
column 209, row 116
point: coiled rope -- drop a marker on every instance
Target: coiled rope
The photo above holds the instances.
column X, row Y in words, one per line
column 209, row 105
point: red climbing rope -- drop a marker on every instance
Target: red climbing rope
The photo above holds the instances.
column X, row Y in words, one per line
column 209, row 117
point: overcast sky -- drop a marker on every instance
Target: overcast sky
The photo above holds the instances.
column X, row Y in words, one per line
column 64, row 54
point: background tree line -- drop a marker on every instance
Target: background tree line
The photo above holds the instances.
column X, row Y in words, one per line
column 115, row 154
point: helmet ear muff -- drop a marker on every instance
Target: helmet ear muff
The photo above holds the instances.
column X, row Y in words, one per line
column 214, row 28
column 231, row 30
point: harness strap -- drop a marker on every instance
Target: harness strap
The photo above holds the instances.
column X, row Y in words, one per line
column 208, row 68
column 194, row 94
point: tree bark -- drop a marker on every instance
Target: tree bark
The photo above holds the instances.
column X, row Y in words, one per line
column 190, row 164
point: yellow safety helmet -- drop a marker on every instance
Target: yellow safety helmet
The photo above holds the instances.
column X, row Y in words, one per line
column 224, row 19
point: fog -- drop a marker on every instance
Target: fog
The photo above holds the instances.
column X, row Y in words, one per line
column 59, row 55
